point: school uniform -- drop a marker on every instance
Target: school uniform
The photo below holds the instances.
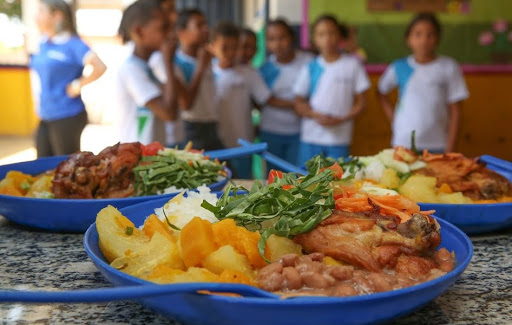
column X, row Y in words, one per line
column 136, row 86
column 174, row 131
column 330, row 87
column 425, row 91
column 235, row 87
column 279, row 127
column 201, row 120
column 60, row 60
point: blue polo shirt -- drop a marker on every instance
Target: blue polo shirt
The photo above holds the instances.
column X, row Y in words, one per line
column 60, row 61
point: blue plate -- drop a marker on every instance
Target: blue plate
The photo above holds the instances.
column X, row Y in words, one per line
column 63, row 215
column 214, row 309
column 474, row 218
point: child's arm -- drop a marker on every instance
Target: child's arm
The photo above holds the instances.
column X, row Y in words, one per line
column 187, row 94
column 387, row 106
column 165, row 106
column 357, row 108
column 303, row 108
column 453, row 125
column 281, row 103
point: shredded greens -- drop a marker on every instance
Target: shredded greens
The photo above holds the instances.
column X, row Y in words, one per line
column 413, row 143
column 129, row 231
column 156, row 173
column 295, row 209
column 351, row 164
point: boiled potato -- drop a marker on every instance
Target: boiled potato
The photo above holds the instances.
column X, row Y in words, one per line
column 390, row 179
column 153, row 225
column 115, row 237
column 159, row 251
column 420, row 188
column 197, row 241
column 279, row 246
column 454, row 198
column 42, row 184
column 227, row 258
column 164, row 274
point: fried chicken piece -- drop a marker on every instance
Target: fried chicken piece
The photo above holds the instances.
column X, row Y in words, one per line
column 465, row 175
column 106, row 175
column 371, row 242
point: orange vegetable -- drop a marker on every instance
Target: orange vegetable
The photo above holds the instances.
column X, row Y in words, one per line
column 445, row 188
column 197, row 241
column 336, row 170
column 153, row 224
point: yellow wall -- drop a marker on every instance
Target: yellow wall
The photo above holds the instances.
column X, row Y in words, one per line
column 486, row 126
column 16, row 114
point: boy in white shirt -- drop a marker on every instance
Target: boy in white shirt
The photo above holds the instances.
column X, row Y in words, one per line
column 330, row 94
column 236, row 85
column 196, row 89
column 143, row 102
column 431, row 89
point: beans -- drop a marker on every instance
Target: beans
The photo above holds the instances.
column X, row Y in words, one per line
column 289, row 259
column 380, row 281
column 275, row 267
column 317, row 257
column 273, row 282
column 314, row 280
column 343, row 290
column 292, row 279
column 341, row 272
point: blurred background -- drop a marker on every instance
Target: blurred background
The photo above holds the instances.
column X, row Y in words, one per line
column 477, row 33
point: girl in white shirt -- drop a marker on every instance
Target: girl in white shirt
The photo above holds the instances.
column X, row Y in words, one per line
column 280, row 126
column 431, row 89
column 330, row 93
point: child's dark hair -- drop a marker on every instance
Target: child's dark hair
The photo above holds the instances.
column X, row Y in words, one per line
column 225, row 29
column 138, row 13
column 427, row 17
column 282, row 23
column 248, row 32
column 185, row 15
column 344, row 33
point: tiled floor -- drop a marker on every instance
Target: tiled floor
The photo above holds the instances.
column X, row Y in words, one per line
column 21, row 148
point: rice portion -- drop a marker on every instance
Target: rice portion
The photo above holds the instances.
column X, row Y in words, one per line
column 180, row 209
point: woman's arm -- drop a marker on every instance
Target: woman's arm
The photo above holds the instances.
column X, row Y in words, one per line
column 98, row 69
column 453, row 125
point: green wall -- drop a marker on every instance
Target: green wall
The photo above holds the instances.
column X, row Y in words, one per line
column 381, row 34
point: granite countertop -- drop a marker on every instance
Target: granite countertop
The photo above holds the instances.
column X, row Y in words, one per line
column 37, row 260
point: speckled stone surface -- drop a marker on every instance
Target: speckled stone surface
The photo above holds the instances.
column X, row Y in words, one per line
column 35, row 260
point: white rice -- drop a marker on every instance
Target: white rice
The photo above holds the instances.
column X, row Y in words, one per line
column 180, row 210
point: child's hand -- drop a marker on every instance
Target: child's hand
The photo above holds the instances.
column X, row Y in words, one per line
column 303, row 109
column 169, row 47
column 204, row 57
column 329, row 120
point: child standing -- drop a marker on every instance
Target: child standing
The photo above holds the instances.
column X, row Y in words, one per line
column 330, row 94
column 431, row 89
column 247, row 46
column 280, row 125
column 236, row 85
column 196, row 89
column 144, row 103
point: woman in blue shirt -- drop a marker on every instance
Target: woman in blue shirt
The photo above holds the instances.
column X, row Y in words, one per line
column 59, row 65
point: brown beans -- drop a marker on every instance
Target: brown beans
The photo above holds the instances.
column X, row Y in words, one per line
column 343, row 290
column 292, row 279
column 341, row 272
column 317, row 257
column 314, row 280
column 381, row 282
column 289, row 259
column 273, row 282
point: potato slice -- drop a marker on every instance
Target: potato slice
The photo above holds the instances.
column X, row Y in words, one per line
column 420, row 188
column 390, row 179
column 42, row 184
column 164, row 274
column 227, row 258
column 279, row 246
column 115, row 240
column 153, row 224
column 159, row 251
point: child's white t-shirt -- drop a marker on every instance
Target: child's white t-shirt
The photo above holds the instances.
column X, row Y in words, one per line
column 281, row 78
column 330, row 87
column 136, row 86
column 425, row 90
column 174, row 132
column 203, row 109
column 235, row 87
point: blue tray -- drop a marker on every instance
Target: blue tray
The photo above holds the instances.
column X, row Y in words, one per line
column 64, row 215
column 214, row 309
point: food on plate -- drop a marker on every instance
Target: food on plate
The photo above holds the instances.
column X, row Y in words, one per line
column 122, row 170
column 427, row 177
column 307, row 235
